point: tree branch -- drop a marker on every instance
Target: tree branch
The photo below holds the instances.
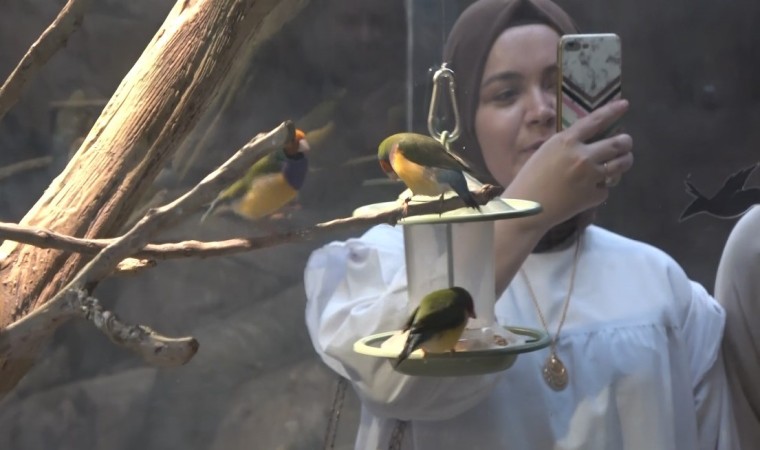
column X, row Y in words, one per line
column 49, row 42
column 154, row 348
column 70, row 300
column 192, row 248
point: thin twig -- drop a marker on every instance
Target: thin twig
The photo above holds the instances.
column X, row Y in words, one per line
column 22, row 166
column 49, row 42
column 197, row 249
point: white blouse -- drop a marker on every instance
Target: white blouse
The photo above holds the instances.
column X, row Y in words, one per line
column 641, row 343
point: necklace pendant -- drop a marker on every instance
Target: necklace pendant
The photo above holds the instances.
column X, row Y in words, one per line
column 555, row 373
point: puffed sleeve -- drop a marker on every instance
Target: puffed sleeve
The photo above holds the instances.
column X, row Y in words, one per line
column 703, row 330
column 358, row 288
column 737, row 288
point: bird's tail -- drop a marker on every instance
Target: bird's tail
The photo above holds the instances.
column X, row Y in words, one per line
column 459, row 184
column 212, row 207
column 412, row 342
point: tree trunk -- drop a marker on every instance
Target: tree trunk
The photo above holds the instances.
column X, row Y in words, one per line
column 155, row 107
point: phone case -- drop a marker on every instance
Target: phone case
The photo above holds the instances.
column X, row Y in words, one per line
column 590, row 67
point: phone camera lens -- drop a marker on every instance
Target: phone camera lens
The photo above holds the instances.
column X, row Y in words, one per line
column 572, row 45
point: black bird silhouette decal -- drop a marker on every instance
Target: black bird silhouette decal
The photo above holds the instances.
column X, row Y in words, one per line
column 732, row 200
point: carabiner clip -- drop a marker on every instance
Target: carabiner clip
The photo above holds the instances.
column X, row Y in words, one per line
column 444, row 74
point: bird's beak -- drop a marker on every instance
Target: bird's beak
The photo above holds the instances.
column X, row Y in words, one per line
column 386, row 166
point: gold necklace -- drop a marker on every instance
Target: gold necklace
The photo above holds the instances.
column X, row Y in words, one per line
column 554, row 371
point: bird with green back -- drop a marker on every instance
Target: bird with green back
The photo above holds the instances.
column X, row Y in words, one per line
column 425, row 165
column 269, row 184
column 438, row 322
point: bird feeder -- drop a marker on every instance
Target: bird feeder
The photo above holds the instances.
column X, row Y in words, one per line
column 447, row 251
column 456, row 249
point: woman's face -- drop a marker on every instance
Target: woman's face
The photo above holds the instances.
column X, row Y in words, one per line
column 516, row 109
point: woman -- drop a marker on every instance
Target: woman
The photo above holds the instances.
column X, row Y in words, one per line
column 635, row 360
column 737, row 288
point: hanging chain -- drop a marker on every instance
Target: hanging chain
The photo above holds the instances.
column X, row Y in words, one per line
column 441, row 76
column 337, row 407
column 397, row 435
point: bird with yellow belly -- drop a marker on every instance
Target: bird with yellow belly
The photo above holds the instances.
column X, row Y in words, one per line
column 438, row 322
column 425, row 166
column 268, row 185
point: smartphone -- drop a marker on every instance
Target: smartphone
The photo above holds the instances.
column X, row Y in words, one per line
column 590, row 68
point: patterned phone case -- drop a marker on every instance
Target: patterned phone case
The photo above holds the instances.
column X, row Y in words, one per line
column 589, row 70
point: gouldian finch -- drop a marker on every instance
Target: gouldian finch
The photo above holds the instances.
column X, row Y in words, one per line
column 425, row 166
column 269, row 184
column 438, row 322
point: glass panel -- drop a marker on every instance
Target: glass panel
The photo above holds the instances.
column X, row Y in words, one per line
column 349, row 72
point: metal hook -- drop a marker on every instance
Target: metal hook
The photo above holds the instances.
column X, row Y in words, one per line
column 441, row 75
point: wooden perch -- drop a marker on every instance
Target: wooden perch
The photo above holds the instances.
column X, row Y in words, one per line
column 197, row 249
column 49, row 42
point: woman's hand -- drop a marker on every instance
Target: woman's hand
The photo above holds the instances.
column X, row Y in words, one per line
column 566, row 175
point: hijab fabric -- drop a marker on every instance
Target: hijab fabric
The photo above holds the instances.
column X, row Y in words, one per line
column 466, row 52
column 469, row 43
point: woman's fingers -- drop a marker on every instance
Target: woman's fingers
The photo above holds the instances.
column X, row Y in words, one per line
column 610, row 148
column 613, row 157
column 598, row 121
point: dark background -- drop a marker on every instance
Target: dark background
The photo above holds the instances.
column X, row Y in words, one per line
column 690, row 71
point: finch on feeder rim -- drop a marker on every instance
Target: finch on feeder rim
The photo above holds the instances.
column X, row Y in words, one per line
column 425, row 166
column 437, row 323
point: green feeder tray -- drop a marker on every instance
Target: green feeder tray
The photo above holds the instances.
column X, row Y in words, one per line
column 465, row 362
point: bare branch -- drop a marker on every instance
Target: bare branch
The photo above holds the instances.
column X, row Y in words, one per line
column 49, row 42
column 44, row 238
column 22, row 166
column 155, row 349
column 192, row 248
